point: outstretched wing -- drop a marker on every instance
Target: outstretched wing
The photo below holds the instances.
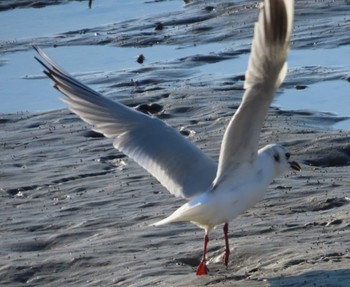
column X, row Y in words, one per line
column 266, row 71
column 178, row 164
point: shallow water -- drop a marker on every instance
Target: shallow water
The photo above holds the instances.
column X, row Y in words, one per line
column 326, row 94
column 55, row 19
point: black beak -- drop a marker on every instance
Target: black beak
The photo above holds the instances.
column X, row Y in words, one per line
column 294, row 165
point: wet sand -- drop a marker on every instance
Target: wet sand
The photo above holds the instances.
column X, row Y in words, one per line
column 75, row 212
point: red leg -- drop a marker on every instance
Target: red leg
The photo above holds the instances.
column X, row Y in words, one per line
column 227, row 248
column 202, row 268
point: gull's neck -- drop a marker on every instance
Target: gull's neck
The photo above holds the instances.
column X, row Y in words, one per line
column 265, row 163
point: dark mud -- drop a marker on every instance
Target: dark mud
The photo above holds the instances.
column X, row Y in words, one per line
column 75, row 212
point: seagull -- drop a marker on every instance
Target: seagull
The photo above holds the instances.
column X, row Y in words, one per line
column 216, row 192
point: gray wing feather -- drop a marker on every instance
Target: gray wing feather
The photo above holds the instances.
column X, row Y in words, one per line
column 266, row 71
column 178, row 164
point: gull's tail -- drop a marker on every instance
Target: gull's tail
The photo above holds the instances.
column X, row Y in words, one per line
column 183, row 213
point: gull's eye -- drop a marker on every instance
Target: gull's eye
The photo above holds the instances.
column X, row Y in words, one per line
column 287, row 155
column 276, row 157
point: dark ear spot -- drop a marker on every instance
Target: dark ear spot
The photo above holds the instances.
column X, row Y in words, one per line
column 287, row 155
column 276, row 157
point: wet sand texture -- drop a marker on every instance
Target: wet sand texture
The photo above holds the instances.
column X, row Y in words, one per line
column 75, row 212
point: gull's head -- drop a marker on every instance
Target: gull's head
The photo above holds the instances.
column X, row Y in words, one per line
column 280, row 158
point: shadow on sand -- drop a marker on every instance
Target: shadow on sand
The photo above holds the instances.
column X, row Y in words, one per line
column 329, row 278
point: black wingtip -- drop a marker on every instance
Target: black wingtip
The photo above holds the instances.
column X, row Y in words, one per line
column 42, row 63
column 38, row 49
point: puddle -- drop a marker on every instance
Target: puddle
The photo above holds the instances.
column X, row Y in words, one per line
column 329, row 96
column 326, row 96
column 339, row 57
column 18, row 94
column 27, row 23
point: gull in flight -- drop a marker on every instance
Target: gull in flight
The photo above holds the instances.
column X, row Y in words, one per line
column 216, row 192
